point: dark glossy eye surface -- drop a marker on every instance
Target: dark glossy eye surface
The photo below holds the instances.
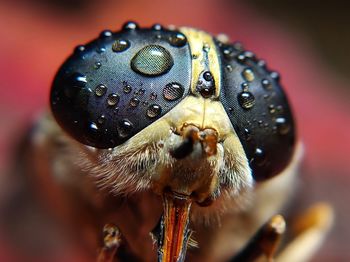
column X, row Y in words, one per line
column 258, row 110
column 115, row 86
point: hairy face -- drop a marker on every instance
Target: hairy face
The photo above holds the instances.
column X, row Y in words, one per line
column 209, row 171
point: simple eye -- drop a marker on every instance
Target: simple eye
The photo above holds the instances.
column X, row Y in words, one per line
column 258, row 110
column 115, row 86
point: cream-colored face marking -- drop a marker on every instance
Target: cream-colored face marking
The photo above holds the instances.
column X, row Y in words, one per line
column 204, row 56
column 201, row 112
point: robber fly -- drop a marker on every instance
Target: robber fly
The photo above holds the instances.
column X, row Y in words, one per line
column 178, row 145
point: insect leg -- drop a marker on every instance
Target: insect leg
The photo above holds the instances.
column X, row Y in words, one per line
column 112, row 241
column 264, row 243
column 309, row 230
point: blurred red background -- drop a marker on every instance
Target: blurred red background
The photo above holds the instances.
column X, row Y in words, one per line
column 37, row 36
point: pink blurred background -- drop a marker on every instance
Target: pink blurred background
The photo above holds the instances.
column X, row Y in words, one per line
column 305, row 46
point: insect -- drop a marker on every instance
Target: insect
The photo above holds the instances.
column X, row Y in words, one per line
column 177, row 139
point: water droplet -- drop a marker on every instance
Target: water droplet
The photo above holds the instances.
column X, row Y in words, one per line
column 120, row 45
column 247, row 134
column 229, row 68
column 101, row 120
column 262, row 64
column 178, row 40
column 220, row 42
column 127, row 89
column 134, row 102
column 207, row 92
column 266, row 84
column 228, row 52
column 106, row 33
column 250, row 55
column 230, row 109
column 260, row 123
column 73, row 84
column 266, row 96
column 246, row 100
column 259, row 156
column 145, row 103
column 275, row 75
column 173, row 91
column 124, row 128
column 154, row 111
column 112, row 99
column 279, row 109
column 78, row 80
column 153, row 96
column 241, row 58
column 101, row 49
column 100, row 90
column 97, row 65
column 258, row 151
column 130, row 26
column 282, row 125
column 93, row 128
column 206, row 47
column 272, row 108
column 207, row 76
column 238, row 45
column 141, row 91
column 248, row 74
column 245, row 86
column 152, row 60
column 79, row 49
column 206, row 85
column 157, row 27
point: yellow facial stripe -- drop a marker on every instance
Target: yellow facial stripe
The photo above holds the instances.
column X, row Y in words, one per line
column 204, row 53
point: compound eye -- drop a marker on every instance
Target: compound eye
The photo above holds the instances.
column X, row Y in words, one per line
column 258, row 110
column 115, row 86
